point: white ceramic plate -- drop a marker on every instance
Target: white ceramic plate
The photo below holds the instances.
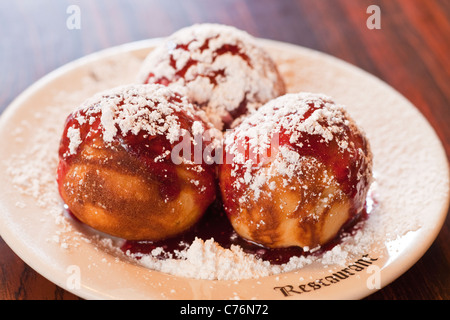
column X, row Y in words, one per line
column 412, row 187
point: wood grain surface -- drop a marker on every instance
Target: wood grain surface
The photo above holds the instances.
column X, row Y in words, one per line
column 410, row 52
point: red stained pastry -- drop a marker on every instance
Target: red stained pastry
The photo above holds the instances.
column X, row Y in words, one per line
column 221, row 68
column 295, row 172
column 116, row 172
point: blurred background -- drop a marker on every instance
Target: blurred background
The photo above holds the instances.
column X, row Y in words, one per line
column 407, row 46
column 410, row 51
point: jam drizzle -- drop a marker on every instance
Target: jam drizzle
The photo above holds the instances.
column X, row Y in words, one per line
column 216, row 225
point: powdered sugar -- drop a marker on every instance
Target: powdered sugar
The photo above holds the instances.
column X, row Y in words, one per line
column 206, row 259
column 254, row 143
column 288, row 113
column 222, row 68
column 153, row 109
column 75, row 139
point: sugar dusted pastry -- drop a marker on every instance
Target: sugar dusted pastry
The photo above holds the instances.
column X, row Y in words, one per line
column 116, row 172
column 295, row 172
column 222, row 68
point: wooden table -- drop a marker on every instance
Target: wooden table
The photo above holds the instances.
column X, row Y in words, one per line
column 410, row 52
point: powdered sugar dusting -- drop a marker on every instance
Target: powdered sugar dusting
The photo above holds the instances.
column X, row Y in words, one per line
column 221, row 67
column 133, row 109
column 75, row 139
column 297, row 116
